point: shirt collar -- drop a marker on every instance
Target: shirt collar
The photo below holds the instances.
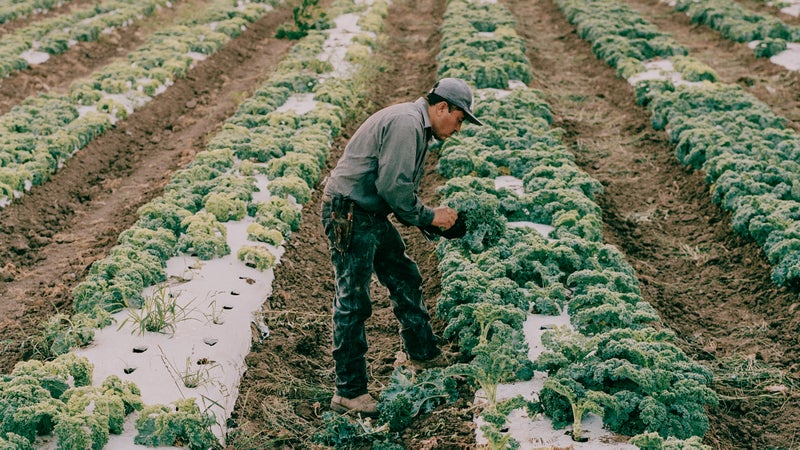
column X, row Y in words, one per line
column 422, row 105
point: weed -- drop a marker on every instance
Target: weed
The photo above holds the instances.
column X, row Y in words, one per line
column 215, row 314
column 700, row 257
column 200, row 375
column 160, row 313
column 193, row 375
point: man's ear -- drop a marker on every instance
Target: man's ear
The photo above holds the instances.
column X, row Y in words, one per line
column 440, row 108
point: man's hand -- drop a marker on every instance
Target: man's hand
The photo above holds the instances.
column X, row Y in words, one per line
column 444, row 217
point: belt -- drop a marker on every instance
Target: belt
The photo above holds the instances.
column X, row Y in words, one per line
column 356, row 207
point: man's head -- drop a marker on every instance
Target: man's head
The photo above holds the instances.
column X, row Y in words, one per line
column 449, row 104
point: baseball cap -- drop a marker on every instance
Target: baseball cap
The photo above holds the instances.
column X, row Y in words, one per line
column 457, row 93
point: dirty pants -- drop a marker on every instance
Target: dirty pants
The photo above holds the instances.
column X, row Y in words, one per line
column 376, row 247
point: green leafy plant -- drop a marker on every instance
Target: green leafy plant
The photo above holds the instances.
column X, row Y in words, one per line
column 62, row 333
column 497, row 416
column 205, row 236
column 656, row 386
column 501, row 359
column 183, row 424
column 652, row 441
column 257, row 256
column 14, row 441
column 225, row 207
column 306, row 17
column 581, row 401
column 409, row 394
column 341, row 431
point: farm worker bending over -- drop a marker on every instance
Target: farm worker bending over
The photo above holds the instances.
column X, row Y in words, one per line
column 379, row 174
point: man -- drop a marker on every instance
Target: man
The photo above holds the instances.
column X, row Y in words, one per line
column 379, row 174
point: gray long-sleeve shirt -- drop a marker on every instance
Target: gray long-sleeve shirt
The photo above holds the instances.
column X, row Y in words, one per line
column 384, row 161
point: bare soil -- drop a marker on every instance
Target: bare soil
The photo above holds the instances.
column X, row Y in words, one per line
column 711, row 286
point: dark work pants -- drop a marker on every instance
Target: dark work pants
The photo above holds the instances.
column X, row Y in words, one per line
column 376, row 247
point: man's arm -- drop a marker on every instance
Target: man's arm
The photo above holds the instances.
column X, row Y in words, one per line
column 396, row 165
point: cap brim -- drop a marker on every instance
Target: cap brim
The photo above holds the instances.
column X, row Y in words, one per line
column 471, row 118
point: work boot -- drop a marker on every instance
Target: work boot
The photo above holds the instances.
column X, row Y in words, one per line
column 364, row 405
column 444, row 359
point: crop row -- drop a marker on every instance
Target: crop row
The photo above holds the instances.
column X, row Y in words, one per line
column 38, row 136
column 290, row 148
column 265, row 137
column 287, row 146
column 749, row 155
column 56, row 35
column 15, row 9
column 739, row 24
column 502, row 269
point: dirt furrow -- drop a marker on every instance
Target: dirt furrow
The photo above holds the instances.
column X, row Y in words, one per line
column 709, row 285
column 58, row 73
column 51, row 236
column 769, row 8
column 735, row 63
column 289, row 379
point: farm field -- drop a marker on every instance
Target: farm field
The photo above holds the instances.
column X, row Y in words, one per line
column 709, row 284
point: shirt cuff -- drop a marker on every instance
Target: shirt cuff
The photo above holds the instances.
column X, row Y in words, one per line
column 426, row 216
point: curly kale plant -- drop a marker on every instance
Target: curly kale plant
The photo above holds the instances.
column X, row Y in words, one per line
column 601, row 309
column 34, row 400
column 278, row 213
column 409, row 394
column 656, row 387
column 225, row 207
column 475, row 321
column 204, row 236
column 62, row 333
column 498, row 360
column 481, row 211
column 256, row 256
column 161, row 425
column 652, row 441
column 344, row 432
column 580, row 400
column 14, row 441
column 118, row 280
column 291, row 185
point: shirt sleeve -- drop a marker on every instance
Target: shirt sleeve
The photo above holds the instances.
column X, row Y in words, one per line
column 397, row 164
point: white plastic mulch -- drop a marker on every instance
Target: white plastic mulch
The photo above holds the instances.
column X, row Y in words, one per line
column 218, row 318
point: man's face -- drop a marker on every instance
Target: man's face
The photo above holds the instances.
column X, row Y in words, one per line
column 444, row 123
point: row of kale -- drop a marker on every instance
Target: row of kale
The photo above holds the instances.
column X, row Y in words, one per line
column 53, row 36
column 38, row 136
column 42, row 398
column 740, row 24
column 11, row 10
column 288, row 147
column 497, row 273
column 749, row 155
column 52, row 397
column 57, row 397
